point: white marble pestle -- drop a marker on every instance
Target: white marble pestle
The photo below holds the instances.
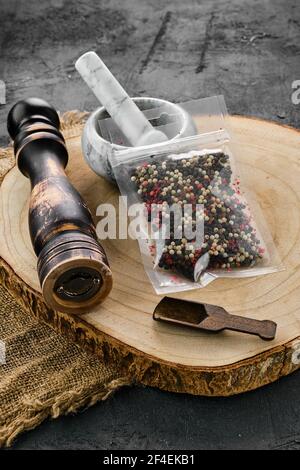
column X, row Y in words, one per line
column 117, row 102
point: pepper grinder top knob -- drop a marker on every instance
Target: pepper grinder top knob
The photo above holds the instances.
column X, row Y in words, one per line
column 30, row 109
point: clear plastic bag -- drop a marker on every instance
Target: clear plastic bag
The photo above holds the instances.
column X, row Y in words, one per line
column 198, row 223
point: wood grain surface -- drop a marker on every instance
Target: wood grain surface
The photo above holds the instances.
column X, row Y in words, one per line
column 268, row 156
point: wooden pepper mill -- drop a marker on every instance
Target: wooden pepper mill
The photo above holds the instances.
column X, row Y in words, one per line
column 72, row 266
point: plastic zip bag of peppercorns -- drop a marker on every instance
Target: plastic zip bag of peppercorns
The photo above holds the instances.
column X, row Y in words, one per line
column 201, row 226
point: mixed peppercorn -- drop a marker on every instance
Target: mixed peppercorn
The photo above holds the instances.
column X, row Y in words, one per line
column 230, row 240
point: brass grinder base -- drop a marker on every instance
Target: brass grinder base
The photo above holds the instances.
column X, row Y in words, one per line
column 74, row 273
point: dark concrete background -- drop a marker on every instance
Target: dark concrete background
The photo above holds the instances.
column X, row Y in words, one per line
column 247, row 50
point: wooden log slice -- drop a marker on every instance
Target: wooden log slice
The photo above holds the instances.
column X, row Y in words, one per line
column 121, row 330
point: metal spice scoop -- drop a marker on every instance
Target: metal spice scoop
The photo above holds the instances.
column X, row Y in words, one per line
column 210, row 318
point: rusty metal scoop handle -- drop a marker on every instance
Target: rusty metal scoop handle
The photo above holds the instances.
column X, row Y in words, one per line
column 265, row 329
